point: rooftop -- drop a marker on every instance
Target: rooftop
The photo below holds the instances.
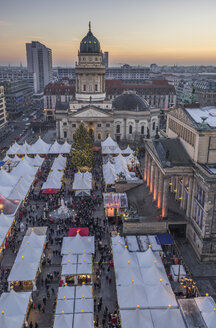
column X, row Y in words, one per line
column 204, row 117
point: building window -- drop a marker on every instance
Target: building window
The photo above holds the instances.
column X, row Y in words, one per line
column 199, row 206
column 73, row 125
column 64, row 123
column 65, row 134
column 142, row 129
column 99, row 136
column 130, row 129
column 108, row 134
column 99, row 125
column 107, row 125
column 118, row 128
column 153, row 126
column 84, row 87
column 96, row 87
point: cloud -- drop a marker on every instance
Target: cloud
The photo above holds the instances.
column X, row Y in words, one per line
column 4, row 23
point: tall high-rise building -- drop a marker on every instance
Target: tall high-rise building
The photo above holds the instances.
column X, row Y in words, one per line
column 106, row 59
column 2, row 109
column 39, row 62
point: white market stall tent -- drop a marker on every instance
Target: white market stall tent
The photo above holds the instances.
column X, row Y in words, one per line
column 57, row 148
column 59, row 163
column 127, row 151
column 54, row 182
column 207, row 307
column 27, row 262
column 82, row 183
column 14, row 307
column 39, row 147
column 63, row 321
column 13, row 149
column 78, row 245
column 6, row 223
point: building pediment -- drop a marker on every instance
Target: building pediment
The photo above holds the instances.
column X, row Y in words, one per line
column 91, row 112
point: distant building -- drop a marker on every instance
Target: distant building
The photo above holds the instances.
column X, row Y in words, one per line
column 2, row 110
column 182, row 167
column 39, row 62
column 127, row 72
column 17, row 73
column 18, row 96
column 158, row 93
column 106, row 59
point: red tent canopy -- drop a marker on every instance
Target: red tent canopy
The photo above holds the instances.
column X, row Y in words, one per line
column 50, row 191
column 82, row 231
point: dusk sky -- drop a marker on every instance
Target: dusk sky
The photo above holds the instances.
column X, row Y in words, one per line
column 133, row 31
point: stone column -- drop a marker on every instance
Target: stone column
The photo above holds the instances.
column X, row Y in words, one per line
column 182, row 204
column 145, row 168
column 165, row 198
column 155, row 192
column 160, row 189
column 152, row 176
column 125, row 129
column 149, row 171
column 190, row 197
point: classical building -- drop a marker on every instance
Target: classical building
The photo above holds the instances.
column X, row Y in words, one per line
column 127, row 117
column 184, row 164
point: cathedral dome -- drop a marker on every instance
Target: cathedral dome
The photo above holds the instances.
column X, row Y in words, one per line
column 90, row 43
column 130, row 101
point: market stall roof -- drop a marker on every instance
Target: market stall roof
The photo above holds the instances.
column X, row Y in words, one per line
column 85, row 290
column 13, row 149
column 148, row 259
column 6, row 179
column 59, row 163
column 78, row 245
column 130, row 296
column 160, row 296
column 84, row 305
column 65, row 306
column 28, row 258
column 14, row 306
column 65, row 148
column 109, row 142
column 87, row 258
column 5, row 225
column 55, row 148
column 109, row 173
column 69, row 258
column 133, row 276
column 39, row 147
column 126, row 260
column 118, row 240
column 154, row 275
column 131, row 159
column 136, row 318
column 53, row 181
column 82, row 181
column 23, row 149
column 66, row 292
column 38, row 161
column 69, row 269
column 172, row 316
column 63, row 321
column 207, row 306
column 83, row 231
column 84, row 268
column 128, row 150
column 84, row 320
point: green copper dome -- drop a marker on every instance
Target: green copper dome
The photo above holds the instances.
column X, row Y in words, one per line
column 89, row 43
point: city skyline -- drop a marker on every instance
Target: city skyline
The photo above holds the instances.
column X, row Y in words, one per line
column 137, row 32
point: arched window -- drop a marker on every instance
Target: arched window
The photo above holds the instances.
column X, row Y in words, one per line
column 153, row 126
column 84, row 87
column 142, row 129
column 99, row 136
column 108, row 134
column 130, row 129
column 118, row 128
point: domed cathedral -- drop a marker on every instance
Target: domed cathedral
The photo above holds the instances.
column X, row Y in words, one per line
column 127, row 118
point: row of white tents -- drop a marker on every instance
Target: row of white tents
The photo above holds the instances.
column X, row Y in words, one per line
column 16, row 184
column 82, row 183
column 144, row 293
column 6, row 223
column 54, row 179
column 75, row 307
column 39, row 147
column 27, row 262
column 109, row 146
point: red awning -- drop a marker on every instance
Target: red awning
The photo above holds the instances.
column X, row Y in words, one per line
column 50, row 191
column 95, row 148
column 82, row 231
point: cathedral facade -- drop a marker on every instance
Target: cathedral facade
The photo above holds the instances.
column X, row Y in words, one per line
column 128, row 117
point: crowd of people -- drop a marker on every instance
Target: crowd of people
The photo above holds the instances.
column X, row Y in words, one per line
column 88, row 212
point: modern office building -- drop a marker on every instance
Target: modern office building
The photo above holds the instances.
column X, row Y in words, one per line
column 18, row 96
column 17, row 73
column 39, row 62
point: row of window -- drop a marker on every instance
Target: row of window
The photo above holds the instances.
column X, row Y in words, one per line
column 182, row 132
column 90, row 88
column 199, row 206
